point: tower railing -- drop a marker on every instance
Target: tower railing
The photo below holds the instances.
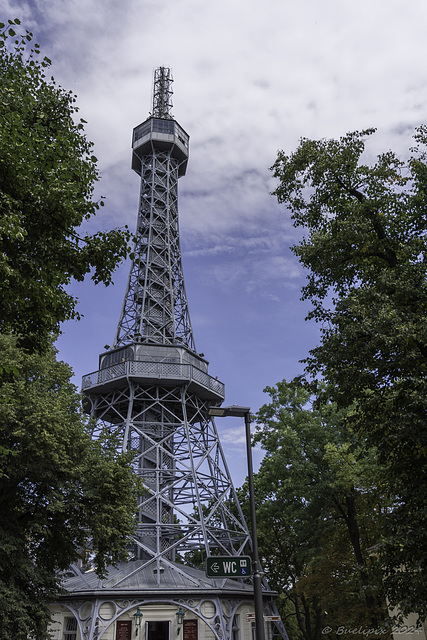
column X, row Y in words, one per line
column 184, row 373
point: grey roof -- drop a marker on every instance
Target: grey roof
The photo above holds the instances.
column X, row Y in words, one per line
column 152, row 579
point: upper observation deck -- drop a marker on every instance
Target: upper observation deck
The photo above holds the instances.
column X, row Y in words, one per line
column 162, row 134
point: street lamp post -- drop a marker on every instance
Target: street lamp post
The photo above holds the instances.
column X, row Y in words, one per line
column 245, row 412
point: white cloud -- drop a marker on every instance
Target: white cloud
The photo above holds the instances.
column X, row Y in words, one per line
column 250, row 78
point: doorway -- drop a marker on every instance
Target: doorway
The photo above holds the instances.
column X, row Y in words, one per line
column 157, row 630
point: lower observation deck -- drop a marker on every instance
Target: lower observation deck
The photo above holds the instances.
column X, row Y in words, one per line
column 166, row 374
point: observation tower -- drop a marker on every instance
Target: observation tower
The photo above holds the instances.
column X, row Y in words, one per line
column 153, row 389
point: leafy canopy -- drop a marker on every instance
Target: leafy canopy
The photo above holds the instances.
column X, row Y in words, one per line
column 47, row 177
column 60, row 491
column 63, row 495
column 319, row 511
column 365, row 249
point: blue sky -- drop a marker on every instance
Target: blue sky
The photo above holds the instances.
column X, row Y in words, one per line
column 250, row 78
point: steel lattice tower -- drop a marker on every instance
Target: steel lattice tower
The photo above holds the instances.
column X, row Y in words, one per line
column 154, row 391
column 152, row 386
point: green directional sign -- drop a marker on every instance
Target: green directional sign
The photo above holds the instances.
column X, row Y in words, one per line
column 228, row 567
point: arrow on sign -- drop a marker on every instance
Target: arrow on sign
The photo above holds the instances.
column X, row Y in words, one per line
column 215, row 567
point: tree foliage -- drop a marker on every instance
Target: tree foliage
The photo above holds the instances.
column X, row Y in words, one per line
column 47, row 177
column 61, row 492
column 63, row 495
column 319, row 511
column 365, row 251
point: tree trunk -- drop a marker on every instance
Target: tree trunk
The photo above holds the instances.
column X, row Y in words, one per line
column 353, row 529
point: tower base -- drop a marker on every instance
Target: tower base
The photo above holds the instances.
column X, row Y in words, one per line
column 176, row 601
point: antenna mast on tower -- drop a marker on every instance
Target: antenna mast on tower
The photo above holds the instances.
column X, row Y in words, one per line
column 162, row 93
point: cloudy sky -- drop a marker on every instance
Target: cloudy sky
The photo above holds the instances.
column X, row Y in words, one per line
column 250, row 78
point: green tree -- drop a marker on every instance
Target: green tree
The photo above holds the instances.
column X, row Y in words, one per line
column 319, row 511
column 47, row 177
column 61, row 492
column 365, row 249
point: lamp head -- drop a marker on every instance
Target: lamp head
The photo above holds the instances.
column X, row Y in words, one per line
column 180, row 616
column 234, row 411
column 138, row 619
